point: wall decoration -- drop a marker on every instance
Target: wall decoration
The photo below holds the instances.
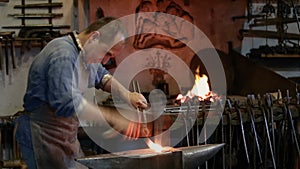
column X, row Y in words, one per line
column 149, row 19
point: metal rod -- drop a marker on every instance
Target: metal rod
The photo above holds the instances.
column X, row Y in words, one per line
column 268, row 137
column 292, row 122
column 269, row 102
column 2, row 62
column 230, row 131
column 250, row 103
column 186, row 126
column 6, row 54
column 141, row 113
column 243, row 131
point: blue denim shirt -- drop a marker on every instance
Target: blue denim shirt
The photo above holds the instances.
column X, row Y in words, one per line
column 53, row 78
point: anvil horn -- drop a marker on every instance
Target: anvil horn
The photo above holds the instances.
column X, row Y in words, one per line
column 196, row 155
column 178, row 158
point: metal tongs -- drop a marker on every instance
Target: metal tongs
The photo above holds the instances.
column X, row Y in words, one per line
column 142, row 118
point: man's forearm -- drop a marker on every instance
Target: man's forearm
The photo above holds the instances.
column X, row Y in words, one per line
column 118, row 87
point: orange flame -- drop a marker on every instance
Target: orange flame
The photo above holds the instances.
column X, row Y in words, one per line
column 156, row 147
column 200, row 89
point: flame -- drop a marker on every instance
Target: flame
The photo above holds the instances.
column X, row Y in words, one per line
column 156, row 147
column 200, row 88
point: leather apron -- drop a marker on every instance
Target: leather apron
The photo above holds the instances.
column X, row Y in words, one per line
column 54, row 140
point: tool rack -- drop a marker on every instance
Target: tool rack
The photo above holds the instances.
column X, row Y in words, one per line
column 45, row 32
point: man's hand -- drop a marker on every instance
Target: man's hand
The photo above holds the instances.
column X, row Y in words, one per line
column 137, row 100
column 140, row 103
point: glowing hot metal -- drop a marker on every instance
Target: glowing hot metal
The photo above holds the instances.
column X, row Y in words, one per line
column 153, row 146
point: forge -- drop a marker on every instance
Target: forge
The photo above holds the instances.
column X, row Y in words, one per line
column 257, row 125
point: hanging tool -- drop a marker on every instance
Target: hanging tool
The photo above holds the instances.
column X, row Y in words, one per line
column 220, row 110
column 237, row 107
column 2, row 66
column 230, row 131
column 291, row 121
column 185, row 117
column 204, row 128
column 297, row 95
column 250, row 101
column 260, row 103
column 269, row 103
column 6, row 54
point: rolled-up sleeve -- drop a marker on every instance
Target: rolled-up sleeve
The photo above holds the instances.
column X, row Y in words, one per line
column 101, row 71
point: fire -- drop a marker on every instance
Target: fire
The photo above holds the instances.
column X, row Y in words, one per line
column 200, row 89
column 156, row 147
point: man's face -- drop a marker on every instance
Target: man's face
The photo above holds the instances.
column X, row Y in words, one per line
column 112, row 53
column 100, row 53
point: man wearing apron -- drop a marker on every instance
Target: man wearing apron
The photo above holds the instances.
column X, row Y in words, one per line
column 54, row 102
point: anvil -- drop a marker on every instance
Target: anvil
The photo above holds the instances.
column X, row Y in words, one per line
column 175, row 158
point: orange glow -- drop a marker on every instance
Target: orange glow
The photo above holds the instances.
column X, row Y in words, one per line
column 200, row 89
column 156, row 147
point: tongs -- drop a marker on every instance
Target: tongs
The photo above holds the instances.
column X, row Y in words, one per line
column 142, row 118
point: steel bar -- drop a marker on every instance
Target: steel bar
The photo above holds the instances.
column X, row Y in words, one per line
column 250, row 104
column 249, row 17
column 186, row 126
column 10, row 63
column 142, row 117
column 6, row 54
column 298, row 98
column 237, row 107
column 220, row 110
column 269, row 34
column 179, row 158
column 38, row 26
column 143, row 111
column 11, row 60
column 12, row 50
column 292, row 123
column 136, row 88
column 268, row 134
column 2, row 61
column 273, row 21
column 40, row 5
column 184, row 107
column 204, row 128
column 269, row 103
column 36, row 15
column 230, row 131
